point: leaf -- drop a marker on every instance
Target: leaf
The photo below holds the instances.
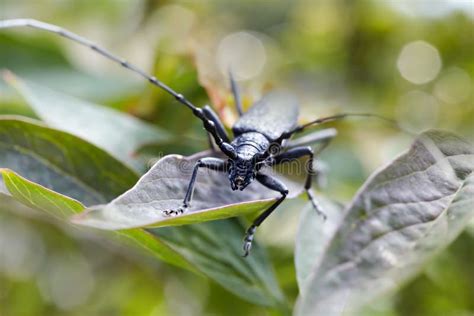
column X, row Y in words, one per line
column 49, row 157
column 164, row 187
column 62, row 162
column 216, row 247
column 62, row 207
column 35, row 196
column 313, row 237
column 212, row 249
column 404, row 214
column 116, row 132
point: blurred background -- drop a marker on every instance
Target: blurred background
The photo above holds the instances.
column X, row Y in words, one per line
column 408, row 60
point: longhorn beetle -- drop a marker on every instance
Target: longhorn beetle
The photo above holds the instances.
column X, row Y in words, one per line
column 261, row 135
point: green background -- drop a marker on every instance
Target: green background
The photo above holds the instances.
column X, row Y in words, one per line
column 337, row 56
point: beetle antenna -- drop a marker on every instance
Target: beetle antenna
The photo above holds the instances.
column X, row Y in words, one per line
column 341, row 116
column 209, row 125
column 12, row 23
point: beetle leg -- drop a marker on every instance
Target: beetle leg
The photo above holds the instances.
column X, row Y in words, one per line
column 296, row 153
column 323, row 138
column 276, row 185
column 209, row 163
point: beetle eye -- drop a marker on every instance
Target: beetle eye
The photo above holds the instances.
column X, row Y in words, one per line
column 274, row 149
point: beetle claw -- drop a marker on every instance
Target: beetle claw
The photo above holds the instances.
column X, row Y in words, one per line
column 247, row 247
column 248, row 240
column 171, row 213
column 317, row 207
column 322, row 214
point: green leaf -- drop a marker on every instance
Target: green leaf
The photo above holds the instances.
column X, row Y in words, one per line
column 64, row 163
column 216, row 248
column 38, row 197
column 62, row 207
column 118, row 133
column 163, row 188
column 313, row 237
column 213, row 249
column 404, row 214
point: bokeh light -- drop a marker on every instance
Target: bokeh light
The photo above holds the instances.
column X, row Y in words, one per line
column 417, row 111
column 454, row 86
column 419, row 62
column 242, row 52
column 21, row 249
column 68, row 281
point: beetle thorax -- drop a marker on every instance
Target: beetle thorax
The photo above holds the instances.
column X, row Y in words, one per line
column 249, row 144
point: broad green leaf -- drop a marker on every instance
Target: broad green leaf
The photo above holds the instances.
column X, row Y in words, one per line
column 62, row 207
column 313, row 237
column 213, row 249
column 404, row 214
column 216, row 248
column 163, row 188
column 38, row 197
column 69, row 165
column 118, row 133
column 62, row 162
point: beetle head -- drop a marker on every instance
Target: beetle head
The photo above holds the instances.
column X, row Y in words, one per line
column 242, row 172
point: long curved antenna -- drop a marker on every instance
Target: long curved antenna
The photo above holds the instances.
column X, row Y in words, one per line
column 35, row 24
column 342, row 116
column 85, row 42
column 336, row 117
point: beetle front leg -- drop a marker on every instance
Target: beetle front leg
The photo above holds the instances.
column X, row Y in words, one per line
column 273, row 184
column 209, row 163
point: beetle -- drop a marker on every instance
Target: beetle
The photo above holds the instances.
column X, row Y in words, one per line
column 261, row 135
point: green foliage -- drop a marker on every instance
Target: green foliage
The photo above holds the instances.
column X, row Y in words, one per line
column 392, row 227
column 250, row 279
column 76, row 135
column 104, row 127
column 62, row 162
